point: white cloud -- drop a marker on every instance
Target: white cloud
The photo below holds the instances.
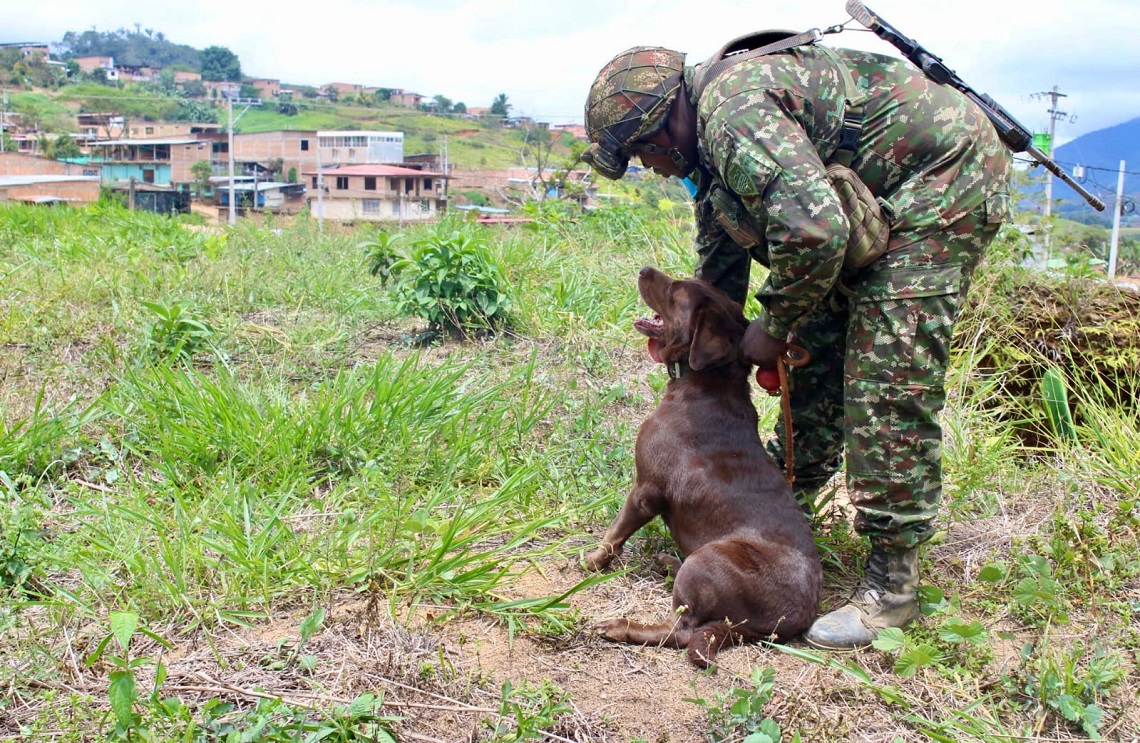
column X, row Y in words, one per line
column 544, row 55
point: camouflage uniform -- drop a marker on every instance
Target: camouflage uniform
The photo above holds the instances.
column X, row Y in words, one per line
column 878, row 336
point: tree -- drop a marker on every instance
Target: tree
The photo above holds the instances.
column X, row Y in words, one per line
column 500, row 107
column 201, row 170
column 286, row 105
column 65, row 147
column 219, row 63
column 441, row 104
column 459, row 108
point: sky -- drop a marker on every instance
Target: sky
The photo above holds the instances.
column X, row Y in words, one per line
column 544, row 55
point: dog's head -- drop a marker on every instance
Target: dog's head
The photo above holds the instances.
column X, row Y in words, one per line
column 695, row 322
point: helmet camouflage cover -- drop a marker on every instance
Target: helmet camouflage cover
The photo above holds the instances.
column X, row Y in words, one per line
column 628, row 102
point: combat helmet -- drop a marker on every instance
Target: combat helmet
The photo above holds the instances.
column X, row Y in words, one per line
column 627, row 103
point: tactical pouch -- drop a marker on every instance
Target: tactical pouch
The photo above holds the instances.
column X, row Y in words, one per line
column 869, row 227
column 733, row 218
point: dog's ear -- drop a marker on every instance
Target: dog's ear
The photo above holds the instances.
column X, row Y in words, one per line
column 713, row 336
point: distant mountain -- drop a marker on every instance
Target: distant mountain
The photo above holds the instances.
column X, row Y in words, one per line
column 1099, row 153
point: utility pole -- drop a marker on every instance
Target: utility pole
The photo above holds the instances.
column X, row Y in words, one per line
column 443, row 152
column 3, row 119
column 1116, row 223
column 247, row 102
column 320, row 191
column 1054, row 114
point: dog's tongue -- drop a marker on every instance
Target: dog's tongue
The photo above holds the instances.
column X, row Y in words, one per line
column 655, row 350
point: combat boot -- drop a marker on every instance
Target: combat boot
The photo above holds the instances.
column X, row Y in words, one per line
column 886, row 597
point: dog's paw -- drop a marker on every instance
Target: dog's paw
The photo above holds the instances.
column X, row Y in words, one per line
column 600, row 558
column 612, row 629
column 666, row 564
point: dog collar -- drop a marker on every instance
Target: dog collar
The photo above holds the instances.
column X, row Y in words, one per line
column 678, row 369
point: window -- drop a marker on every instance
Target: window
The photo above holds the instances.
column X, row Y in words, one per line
column 394, row 184
column 150, row 130
column 304, row 145
column 370, row 206
column 396, row 208
column 427, row 184
column 369, row 183
column 409, row 184
column 314, row 181
column 342, row 183
column 148, row 175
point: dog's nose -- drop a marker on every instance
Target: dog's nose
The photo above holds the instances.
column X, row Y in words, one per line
column 644, row 270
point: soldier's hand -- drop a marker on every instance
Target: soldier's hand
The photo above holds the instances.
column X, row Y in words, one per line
column 760, row 348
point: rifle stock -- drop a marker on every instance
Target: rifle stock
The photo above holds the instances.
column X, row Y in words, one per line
column 1011, row 131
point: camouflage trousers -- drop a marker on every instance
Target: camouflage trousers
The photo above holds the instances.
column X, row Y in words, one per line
column 876, row 380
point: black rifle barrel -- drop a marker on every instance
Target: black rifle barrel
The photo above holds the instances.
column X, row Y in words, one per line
column 1011, row 131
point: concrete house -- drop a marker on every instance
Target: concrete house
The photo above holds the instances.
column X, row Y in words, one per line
column 88, row 65
column 38, row 180
column 376, row 193
column 162, row 162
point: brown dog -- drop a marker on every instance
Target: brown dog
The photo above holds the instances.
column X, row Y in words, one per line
column 751, row 568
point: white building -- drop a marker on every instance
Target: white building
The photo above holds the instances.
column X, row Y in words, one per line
column 360, row 148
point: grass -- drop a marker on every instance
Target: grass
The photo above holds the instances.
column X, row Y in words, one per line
column 236, row 439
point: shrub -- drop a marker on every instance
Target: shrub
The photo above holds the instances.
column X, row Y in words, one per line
column 448, row 278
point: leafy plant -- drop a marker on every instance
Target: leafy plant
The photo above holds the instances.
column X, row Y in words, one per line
column 528, row 711
column 451, row 280
column 123, row 690
column 381, row 254
column 1062, row 685
column 177, row 332
column 740, row 713
column 277, row 720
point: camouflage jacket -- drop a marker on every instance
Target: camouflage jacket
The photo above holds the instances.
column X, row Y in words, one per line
column 766, row 128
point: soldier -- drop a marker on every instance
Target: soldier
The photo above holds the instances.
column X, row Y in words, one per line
column 757, row 139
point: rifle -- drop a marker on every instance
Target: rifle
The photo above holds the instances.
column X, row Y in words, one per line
column 1015, row 136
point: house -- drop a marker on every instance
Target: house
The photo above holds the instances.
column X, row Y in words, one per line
column 88, row 65
column 181, row 77
column 273, row 156
column 405, row 98
column 30, row 49
column 170, row 129
column 376, row 193
column 137, row 73
column 151, row 197
column 13, row 163
column 49, row 189
column 266, row 88
column 221, row 89
column 360, row 147
column 270, row 196
column 161, row 162
column 577, row 130
column 350, row 89
column 38, row 180
column 106, row 125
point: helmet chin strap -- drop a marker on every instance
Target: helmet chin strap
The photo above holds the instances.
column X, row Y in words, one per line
column 681, row 162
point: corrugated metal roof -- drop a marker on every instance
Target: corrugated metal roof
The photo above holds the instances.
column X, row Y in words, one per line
column 135, row 142
column 31, row 180
column 376, row 170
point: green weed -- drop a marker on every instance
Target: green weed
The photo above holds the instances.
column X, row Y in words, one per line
column 740, row 714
